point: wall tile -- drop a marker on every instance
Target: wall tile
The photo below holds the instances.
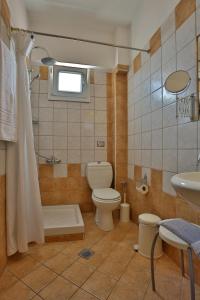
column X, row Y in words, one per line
column 146, row 158
column 45, row 128
column 2, row 162
column 156, row 160
column 156, row 61
column 60, row 128
column 60, row 170
column 156, row 100
column 156, row 81
column 167, row 187
column 186, row 33
column 157, row 139
column 187, row 160
column 169, row 115
column 156, row 119
column 170, row 160
column 170, row 136
column 169, row 49
column 184, row 10
column 187, row 136
column 168, row 28
column 60, row 142
column 186, row 58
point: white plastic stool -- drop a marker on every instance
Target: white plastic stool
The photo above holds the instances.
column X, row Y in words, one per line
column 147, row 230
column 173, row 240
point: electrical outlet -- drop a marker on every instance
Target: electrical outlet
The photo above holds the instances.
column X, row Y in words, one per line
column 100, row 144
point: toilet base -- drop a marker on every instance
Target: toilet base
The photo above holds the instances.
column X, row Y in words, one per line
column 104, row 219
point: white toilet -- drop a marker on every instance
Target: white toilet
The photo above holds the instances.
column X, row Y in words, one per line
column 106, row 199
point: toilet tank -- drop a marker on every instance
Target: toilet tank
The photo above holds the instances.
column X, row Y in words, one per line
column 99, row 175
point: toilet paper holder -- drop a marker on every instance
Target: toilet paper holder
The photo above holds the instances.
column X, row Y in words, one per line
column 142, row 185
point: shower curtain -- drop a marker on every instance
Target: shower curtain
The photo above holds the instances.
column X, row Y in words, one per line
column 23, row 208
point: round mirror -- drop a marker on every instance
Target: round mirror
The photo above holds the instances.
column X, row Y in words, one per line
column 177, row 82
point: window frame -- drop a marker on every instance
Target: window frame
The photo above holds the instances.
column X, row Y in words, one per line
column 56, row 95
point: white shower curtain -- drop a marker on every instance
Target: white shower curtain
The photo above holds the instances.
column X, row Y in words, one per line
column 24, row 210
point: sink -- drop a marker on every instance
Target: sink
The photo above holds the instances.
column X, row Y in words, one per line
column 187, row 185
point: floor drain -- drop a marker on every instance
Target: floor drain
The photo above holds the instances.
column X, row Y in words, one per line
column 86, row 253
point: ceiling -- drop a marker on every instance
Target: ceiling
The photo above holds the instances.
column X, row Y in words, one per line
column 113, row 11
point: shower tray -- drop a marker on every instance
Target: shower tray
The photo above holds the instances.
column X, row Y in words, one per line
column 63, row 222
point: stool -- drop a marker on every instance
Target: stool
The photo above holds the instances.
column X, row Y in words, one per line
column 173, row 240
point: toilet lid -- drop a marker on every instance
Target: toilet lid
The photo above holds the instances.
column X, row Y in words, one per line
column 106, row 194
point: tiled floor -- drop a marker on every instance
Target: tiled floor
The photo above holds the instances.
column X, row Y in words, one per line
column 54, row 271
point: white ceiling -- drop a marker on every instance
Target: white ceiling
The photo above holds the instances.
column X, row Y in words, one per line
column 113, row 11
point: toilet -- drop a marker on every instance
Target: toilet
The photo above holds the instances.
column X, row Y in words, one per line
column 106, row 199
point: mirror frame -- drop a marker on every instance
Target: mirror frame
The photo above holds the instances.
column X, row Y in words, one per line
column 185, row 86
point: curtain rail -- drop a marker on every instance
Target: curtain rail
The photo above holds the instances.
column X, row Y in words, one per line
column 13, row 29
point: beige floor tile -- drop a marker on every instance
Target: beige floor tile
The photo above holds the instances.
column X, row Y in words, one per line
column 78, row 273
column 166, row 289
column 126, row 291
column 140, row 263
column 83, row 295
column 6, row 280
column 185, row 290
column 39, row 278
column 100, row 285
column 59, row 289
column 46, row 251
column 96, row 260
column 22, row 266
column 36, row 298
column 60, row 262
column 166, row 267
column 18, row 291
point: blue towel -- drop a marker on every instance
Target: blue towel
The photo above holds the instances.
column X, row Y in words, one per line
column 186, row 231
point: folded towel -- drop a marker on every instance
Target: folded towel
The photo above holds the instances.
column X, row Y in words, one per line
column 8, row 130
column 186, row 231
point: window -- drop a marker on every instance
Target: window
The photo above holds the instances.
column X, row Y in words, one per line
column 68, row 84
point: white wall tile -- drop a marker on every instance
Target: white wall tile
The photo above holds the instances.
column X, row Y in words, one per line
column 146, row 123
column 167, row 186
column 186, row 58
column 100, row 116
column 168, row 49
column 138, row 157
column 74, row 115
column 169, row 115
column 44, row 102
column 187, row 136
column 100, row 90
column 60, row 142
column 87, row 143
column 146, row 158
column 156, row 159
column 60, row 115
column 168, row 27
column 74, row 129
column 60, row 128
column 74, row 156
column 170, row 162
column 156, row 61
column 87, row 156
column 46, row 114
column 186, row 33
column 61, row 154
column 146, row 140
column 87, row 116
column 157, row 138
column 45, row 128
column 198, row 20
column 74, row 142
column 101, row 129
column 100, row 155
column 156, row 100
column 187, row 160
column 45, row 142
column 43, row 86
column 87, row 129
column 130, row 171
column 156, row 81
column 170, row 136
column 156, row 119
column 100, row 103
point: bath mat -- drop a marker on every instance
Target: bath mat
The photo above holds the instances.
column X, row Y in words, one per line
column 86, row 253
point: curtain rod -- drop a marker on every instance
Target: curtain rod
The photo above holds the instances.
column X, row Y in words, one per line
column 78, row 39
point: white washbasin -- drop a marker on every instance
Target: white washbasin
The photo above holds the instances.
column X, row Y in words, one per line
column 187, row 185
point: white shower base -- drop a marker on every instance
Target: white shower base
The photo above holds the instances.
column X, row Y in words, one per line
column 62, row 220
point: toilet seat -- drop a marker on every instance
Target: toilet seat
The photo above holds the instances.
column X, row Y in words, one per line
column 106, row 195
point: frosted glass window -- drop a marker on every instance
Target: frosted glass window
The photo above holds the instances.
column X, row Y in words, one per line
column 69, row 82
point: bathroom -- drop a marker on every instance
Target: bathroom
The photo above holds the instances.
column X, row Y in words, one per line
column 82, row 170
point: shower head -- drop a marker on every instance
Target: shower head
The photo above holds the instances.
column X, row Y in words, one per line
column 48, row 61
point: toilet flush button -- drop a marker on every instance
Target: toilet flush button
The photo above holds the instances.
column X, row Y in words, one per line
column 101, row 144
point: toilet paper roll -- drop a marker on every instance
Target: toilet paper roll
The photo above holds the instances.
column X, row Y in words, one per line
column 143, row 189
